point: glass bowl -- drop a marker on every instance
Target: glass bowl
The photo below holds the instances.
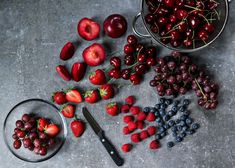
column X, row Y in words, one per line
column 39, row 108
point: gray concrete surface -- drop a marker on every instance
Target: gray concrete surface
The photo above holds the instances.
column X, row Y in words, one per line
column 31, row 36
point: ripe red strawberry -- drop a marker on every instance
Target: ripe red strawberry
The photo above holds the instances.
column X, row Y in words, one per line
column 151, row 130
column 134, row 110
column 94, row 55
column 106, row 91
column 143, row 135
column 59, row 98
column 67, row 51
column 88, row 29
column 112, row 109
column 140, row 124
column 126, row 148
column 63, row 72
column 135, row 137
column 128, row 118
column 52, row 130
column 150, row 117
column 141, row 116
column 125, row 108
column 132, row 126
column 92, row 96
column 126, row 130
column 42, row 124
column 78, row 71
column 77, row 127
column 130, row 100
column 98, row 77
column 154, row 144
column 74, row 96
column 68, row 111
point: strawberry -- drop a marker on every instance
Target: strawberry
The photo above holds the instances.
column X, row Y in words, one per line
column 140, row 124
column 134, row 110
column 112, row 109
column 154, row 144
column 77, row 127
column 88, row 29
column 67, row 51
column 106, row 91
column 135, row 137
column 126, row 130
column 59, row 98
column 42, row 124
column 130, row 100
column 52, row 130
column 128, row 118
column 126, row 148
column 125, row 108
column 98, row 77
column 73, row 96
column 68, row 111
column 78, row 71
column 63, row 72
column 94, row 55
column 144, row 135
column 132, row 125
column 92, row 96
column 141, row 116
column 150, row 117
column 151, row 130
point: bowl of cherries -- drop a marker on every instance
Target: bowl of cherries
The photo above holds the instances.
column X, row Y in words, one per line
column 34, row 130
column 183, row 25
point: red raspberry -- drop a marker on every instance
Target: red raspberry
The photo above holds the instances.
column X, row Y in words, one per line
column 144, row 135
column 140, row 124
column 130, row 100
column 128, row 118
column 150, row 117
column 126, row 148
column 125, row 108
column 154, row 144
column 135, row 137
column 141, row 116
column 151, row 130
column 126, row 130
column 134, row 110
column 132, row 126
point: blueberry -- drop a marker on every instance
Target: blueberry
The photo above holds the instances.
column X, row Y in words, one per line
column 182, row 123
column 170, row 144
column 162, row 100
column 171, row 123
column 157, row 113
column 166, row 126
column 183, row 134
column 179, row 127
column 195, row 126
column 170, row 113
column 163, row 106
column 182, row 109
column 185, row 128
column 174, row 108
column 174, row 129
column 146, row 109
column 166, row 117
column 161, row 123
column 158, row 137
column 183, row 117
column 158, row 119
column 186, row 113
column 174, row 134
column 153, row 110
column 157, row 106
column 189, row 121
column 162, row 112
column 190, row 132
column 186, row 102
column 168, row 101
column 161, row 129
column 177, row 121
column 176, row 102
column 163, row 134
column 178, row 139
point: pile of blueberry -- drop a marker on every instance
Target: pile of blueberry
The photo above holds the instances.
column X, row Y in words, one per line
column 180, row 126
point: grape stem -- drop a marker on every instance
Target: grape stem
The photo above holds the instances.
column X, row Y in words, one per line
column 204, row 96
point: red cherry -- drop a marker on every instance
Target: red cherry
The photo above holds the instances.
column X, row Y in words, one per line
column 181, row 14
column 151, row 51
column 173, row 18
column 182, row 27
column 149, row 18
column 126, row 73
column 169, row 3
column 169, row 27
column 129, row 59
column 162, row 11
column 129, row 49
column 188, row 42
column 209, row 27
column 115, row 73
column 179, row 3
column 189, row 33
column 115, row 62
column 175, row 35
column 141, row 68
column 203, row 35
column 135, row 79
column 141, row 58
column 154, row 28
column 194, row 22
column 131, row 39
column 175, row 43
column 151, row 61
column 162, row 21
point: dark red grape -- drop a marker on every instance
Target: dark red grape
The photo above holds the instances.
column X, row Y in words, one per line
column 17, row 144
column 26, row 118
column 19, row 124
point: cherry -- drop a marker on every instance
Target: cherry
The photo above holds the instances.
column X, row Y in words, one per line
column 162, row 11
column 169, row 3
column 175, row 35
column 188, row 42
column 129, row 49
column 179, row 3
column 162, row 21
column 135, row 79
column 209, row 27
column 181, row 14
column 131, row 39
column 115, row 73
column 203, row 35
column 212, row 5
column 153, row 83
column 151, row 61
column 151, row 51
column 141, row 68
column 149, row 18
column 169, row 27
column 139, row 47
column 157, row 78
column 182, row 27
column 152, row 9
column 141, row 57
column 155, row 29
column 175, row 43
column 115, row 62
column 165, row 40
column 190, row 2
column 129, row 59
column 126, row 73
column 189, row 33
column 158, row 69
column 194, row 22
column 161, row 61
column 173, row 18
column 17, row 144
column 25, row 117
column 160, row 88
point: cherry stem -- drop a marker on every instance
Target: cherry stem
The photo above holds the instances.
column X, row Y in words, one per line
column 133, row 65
column 204, row 96
column 187, row 6
column 110, row 80
column 217, row 13
column 157, row 8
column 204, row 18
column 114, row 53
column 175, row 27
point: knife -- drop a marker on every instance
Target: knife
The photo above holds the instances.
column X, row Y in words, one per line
column 107, row 144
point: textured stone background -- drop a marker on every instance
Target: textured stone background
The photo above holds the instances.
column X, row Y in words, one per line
column 32, row 34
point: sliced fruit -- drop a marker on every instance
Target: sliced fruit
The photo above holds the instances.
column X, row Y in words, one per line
column 68, row 111
column 63, row 72
column 52, row 130
column 94, row 55
column 67, row 51
column 74, row 96
column 92, row 96
column 106, row 91
column 42, row 124
column 88, row 29
column 78, row 71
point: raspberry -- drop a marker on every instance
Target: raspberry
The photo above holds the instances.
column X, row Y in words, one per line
column 141, row 116
column 144, row 135
column 140, row 124
column 151, row 130
column 126, row 130
column 125, row 108
column 150, row 117
column 130, row 100
column 135, row 137
column 132, row 126
column 128, row 118
column 154, row 144
column 126, row 148
column 134, row 110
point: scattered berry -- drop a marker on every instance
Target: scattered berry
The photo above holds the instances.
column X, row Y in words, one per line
column 126, row 148
column 112, row 109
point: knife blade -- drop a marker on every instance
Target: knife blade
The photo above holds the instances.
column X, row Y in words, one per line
column 106, row 143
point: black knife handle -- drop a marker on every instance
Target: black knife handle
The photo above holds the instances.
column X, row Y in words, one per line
column 111, row 149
